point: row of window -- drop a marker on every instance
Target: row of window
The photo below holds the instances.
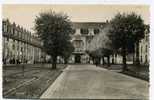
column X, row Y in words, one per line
column 17, row 45
column 86, row 31
column 19, row 50
column 17, row 32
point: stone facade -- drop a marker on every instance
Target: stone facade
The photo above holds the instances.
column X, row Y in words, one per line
column 144, row 46
column 83, row 34
column 19, row 45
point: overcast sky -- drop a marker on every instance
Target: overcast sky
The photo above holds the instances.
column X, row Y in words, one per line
column 24, row 15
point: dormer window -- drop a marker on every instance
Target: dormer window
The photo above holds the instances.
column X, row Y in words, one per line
column 96, row 31
column 84, row 31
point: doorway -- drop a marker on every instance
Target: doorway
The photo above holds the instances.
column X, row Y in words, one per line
column 77, row 59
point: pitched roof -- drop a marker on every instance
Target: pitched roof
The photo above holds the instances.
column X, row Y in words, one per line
column 88, row 24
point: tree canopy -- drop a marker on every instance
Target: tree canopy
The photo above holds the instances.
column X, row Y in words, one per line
column 100, row 43
column 125, row 31
column 54, row 29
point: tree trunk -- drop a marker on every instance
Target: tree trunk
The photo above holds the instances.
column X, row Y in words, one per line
column 133, row 58
column 54, row 61
column 93, row 59
column 108, row 61
column 99, row 60
column 124, row 59
column 103, row 60
column 137, row 53
column 65, row 60
column 113, row 59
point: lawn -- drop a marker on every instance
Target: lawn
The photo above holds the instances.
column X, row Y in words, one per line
column 30, row 85
column 141, row 72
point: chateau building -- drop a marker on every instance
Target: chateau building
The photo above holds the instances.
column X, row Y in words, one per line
column 19, row 45
column 83, row 34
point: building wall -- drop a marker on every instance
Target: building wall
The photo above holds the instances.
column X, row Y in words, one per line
column 19, row 45
column 144, row 46
column 84, row 33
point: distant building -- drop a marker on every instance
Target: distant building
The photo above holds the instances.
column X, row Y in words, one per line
column 83, row 34
column 19, row 45
column 144, row 46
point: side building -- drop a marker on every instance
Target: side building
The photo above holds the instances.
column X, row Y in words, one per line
column 19, row 45
column 144, row 46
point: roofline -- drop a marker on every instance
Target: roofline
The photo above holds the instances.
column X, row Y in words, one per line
column 90, row 22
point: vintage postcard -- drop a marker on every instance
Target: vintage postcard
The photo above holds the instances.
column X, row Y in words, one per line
column 75, row 51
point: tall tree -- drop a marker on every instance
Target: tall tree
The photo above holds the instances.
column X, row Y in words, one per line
column 100, row 45
column 137, row 28
column 126, row 29
column 54, row 29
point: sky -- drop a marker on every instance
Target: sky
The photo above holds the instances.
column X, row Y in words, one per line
column 24, row 15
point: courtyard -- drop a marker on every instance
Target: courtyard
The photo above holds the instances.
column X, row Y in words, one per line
column 84, row 81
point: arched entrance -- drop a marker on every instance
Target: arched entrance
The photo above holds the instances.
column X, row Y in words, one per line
column 77, row 58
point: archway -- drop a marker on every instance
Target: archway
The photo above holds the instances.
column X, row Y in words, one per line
column 77, row 58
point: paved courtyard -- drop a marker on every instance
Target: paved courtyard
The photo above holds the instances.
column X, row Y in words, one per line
column 89, row 81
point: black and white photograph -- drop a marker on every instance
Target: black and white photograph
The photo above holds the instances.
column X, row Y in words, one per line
column 75, row 51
